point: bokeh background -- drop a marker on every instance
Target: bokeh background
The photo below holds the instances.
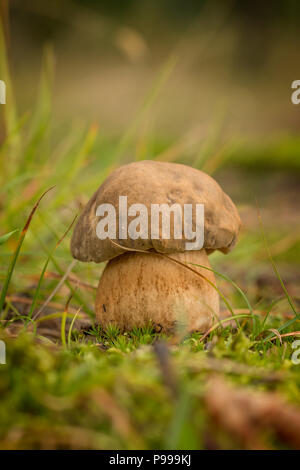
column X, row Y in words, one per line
column 95, row 84
column 200, row 82
column 233, row 61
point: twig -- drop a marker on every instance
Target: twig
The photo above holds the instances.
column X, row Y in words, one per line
column 57, row 288
column 168, row 373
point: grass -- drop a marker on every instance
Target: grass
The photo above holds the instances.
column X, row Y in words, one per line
column 53, row 397
column 95, row 388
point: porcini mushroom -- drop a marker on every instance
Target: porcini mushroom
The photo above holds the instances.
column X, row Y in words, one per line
column 138, row 287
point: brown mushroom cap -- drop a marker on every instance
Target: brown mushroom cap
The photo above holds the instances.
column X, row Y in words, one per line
column 152, row 182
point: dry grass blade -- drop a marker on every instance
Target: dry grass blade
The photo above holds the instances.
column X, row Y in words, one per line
column 276, row 333
column 37, row 291
column 73, row 279
column 256, row 312
column 57, row 288
column 225, row 320
column 27, row 301
column 285, row 335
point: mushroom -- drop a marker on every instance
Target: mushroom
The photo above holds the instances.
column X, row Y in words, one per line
column 145, row 279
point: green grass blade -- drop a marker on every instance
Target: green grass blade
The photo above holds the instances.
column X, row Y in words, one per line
column 75, row 293
column 256, row 322
column 269, row 311
column 63, row 328
column 17, row 251
column 63, row 322
column 71, row 327
column 220, row 322
column 37, row 291
column 7, row 236
column 290, row 301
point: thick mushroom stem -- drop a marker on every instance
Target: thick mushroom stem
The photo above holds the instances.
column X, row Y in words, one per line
column 141, row 288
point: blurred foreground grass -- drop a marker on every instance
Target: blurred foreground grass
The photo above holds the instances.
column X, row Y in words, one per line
column 106, row 389
column 115, row 395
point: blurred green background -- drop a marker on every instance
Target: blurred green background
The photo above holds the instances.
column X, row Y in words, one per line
column 95, row 84
column 98, row 84
column 235, row 61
